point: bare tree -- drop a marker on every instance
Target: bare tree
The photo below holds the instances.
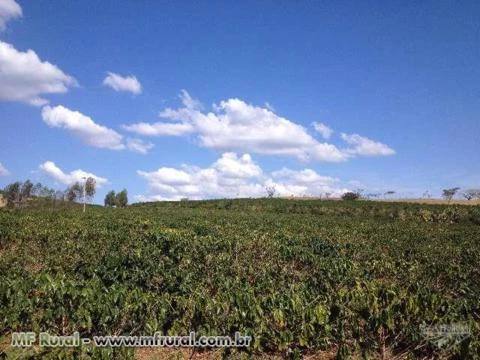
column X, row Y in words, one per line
column 271, row 190
column 471, row 194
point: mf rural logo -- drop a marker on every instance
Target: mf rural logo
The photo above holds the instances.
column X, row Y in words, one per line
column 445, row 336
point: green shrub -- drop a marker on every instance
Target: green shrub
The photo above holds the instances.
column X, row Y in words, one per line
column 350, row 196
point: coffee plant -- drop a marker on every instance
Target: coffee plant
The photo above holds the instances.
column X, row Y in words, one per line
column 352, row 279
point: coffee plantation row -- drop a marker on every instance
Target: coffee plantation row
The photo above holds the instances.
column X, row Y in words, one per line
column 356, row 279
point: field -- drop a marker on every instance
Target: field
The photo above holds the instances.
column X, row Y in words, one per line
column 319, row 279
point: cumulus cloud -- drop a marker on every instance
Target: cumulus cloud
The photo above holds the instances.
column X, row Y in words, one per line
column 53, row 171
column 123, row 83
column 235, row 125
column 139, row 146
column 89, row 132
column 306, row 182
column 366, row 147
column 233, row 176
column 24, row 77
column 9, row 9
column 3, row 170
column 306, row 176
column 323, row 130
column 232, row 166
column 83, row 127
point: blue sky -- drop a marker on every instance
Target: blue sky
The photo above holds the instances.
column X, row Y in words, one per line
column 216, row 99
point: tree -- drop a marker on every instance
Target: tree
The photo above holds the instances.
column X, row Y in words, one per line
column 49, row 193
column 12, row 193
column 448, row 194
column 426, row 195
column 270, row 191
column 121, row 199
column 350, row 196
column 36, row 190
column 389, row 192
column 110, row 199
column 43, row 191
column 74, row 192
column 27, row 189
column 472, row 194
column 90, row 189
column 359, row 191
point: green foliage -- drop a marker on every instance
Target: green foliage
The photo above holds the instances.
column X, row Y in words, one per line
column 350, row 196
column 27, row 188
column 74, row 192
column 12, row 193
column 300, row 277
column 110, row 199
column 90, row 187
column 18, row 193
column 121, row 199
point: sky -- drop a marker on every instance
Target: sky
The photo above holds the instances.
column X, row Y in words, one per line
column 215, row 99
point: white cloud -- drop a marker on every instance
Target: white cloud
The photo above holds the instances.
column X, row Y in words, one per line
column 230, row 165
column 269, row 106
column 123, row 83
column 323, row 130
column 9, row 9
column 306, row 182
column 159, row 128
column 306, row 176
column 188, row 101
column 365, row 146
column 233, row 176
column 24, row 77
column 234, row 125
column 90, row 132
column 50, row 169
column 3, row 170
column 139, row 146
column 83, row 127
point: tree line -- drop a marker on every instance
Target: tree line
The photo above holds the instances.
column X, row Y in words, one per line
column 19, row 193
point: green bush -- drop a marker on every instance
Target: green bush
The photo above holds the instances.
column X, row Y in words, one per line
column 350, row 196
